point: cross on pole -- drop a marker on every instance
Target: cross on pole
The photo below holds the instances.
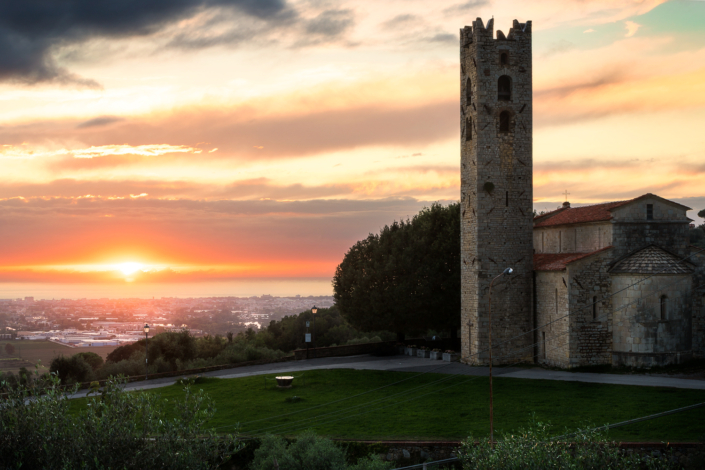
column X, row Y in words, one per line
column 566, row 193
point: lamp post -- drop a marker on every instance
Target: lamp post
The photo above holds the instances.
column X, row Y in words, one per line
column 146, row 350
column 314, row 310
column 504, row 273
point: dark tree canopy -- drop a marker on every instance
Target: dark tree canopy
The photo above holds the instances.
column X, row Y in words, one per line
column 92, row 359
column 406, row 279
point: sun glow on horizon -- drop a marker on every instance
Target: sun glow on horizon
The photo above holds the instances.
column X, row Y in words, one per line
column 129, row 268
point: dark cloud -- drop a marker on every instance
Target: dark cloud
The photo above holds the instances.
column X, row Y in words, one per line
column 443, row 38
column 104, row 188
column 99, row 121
column 31, row 30
column 61, row 230
column 604, row 79
column 464, row 7
column 401, row 21
column 330, row 23
column 238, row 131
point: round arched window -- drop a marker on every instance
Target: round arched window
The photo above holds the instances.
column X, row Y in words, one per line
column 504, row 88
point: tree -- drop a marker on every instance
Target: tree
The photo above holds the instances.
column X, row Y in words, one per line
column 9, row 349
column 123, row 353
column 71, row 370
column 696, row 235
column 407, row 278
column 92, row 359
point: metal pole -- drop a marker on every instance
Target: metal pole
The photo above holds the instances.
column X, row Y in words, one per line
column 506, row 271
column 490, row 338
column 146, row 355
column 314, row 335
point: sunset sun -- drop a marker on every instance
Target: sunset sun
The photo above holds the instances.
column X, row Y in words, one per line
column 129, row 268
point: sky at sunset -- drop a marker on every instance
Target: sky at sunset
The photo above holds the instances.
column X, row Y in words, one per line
column 173, row 142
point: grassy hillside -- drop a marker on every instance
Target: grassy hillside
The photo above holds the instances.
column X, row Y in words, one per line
column 423, row 408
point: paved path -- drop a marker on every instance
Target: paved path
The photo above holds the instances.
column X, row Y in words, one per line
column 414, row 364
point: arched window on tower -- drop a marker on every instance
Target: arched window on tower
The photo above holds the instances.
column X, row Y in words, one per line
column 504, row 121
column 664, row 307
column 504, row 88
column 468, row 91
column 504, row 59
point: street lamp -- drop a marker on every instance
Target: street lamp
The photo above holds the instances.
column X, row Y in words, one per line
column 314, row 310
column 506, row 272
column 146, row 350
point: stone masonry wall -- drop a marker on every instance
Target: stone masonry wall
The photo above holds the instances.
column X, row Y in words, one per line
column 636, row 212
column 591, row 306
column 632, row 230
column 551, row 319
column 698, row 302
column 571, row 239
column 641, row 337
column 496, row 190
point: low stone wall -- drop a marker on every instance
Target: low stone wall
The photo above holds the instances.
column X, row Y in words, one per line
column 386, row 347
column 382, row 347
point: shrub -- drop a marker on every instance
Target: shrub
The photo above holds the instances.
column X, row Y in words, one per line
column 71, row 370
column 308, row 452
column 535, row 448
column 364, row 339
column 116, row 430
column 123, row 353
column 92, row 359
column 127, row 368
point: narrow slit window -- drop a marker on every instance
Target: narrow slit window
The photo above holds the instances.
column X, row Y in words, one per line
column 504, row 58
column 504, row 88
column 664, row 307
column 556, row 302
column 560, row 242
column 506, row 199
column 543, row 243
column 594, row 308
column 468, row 129
column 504, row 121
column 649, row 212
column 544, row 344
column 468, row 92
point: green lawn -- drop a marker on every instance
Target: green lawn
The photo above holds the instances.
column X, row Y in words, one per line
column 449, row 410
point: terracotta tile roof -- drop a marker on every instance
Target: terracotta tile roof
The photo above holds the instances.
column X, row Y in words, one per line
column 576, row 215
column 651, row 260
column 559, row 261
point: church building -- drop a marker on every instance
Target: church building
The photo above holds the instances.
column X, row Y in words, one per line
column 614, row 283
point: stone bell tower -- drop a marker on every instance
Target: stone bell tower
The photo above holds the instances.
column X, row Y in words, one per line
column 496, row 191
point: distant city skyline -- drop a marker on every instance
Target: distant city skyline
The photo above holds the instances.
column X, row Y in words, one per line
column 215, row 145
